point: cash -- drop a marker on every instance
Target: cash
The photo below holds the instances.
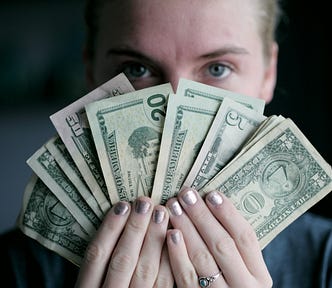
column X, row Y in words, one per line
column 276, row 180
column 62, row 157
column 73, row 128
column 232, row 125
column 44, row 165
column 127, row 131
column 44, row 218
column 118, row 144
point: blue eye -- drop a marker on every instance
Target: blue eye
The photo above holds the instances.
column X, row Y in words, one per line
column 136, row 70
column 219, row 70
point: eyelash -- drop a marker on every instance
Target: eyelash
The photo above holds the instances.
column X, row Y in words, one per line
column 131, row 65
column 128, row 66
column 225, row 67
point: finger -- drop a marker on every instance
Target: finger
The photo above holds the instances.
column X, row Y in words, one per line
column 165, row 277
column 147, row 267
column 183, row 270
column 99, row 250
column 125, row 255
column 242, row 233
column 220, row 242
column 198, row 251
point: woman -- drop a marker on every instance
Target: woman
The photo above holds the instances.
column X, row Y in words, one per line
column 224, row 43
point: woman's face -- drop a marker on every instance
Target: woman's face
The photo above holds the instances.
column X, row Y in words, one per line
column 215, row 42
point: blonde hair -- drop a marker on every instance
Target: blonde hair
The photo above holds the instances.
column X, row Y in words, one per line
column 268, row 15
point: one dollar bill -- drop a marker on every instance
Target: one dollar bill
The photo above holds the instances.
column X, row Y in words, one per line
column 73, row 128
column 275, row 181
column 44, row 218
column 44, row 165
column 61, row 155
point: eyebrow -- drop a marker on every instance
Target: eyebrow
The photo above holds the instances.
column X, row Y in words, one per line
column 127, row 51
column 224, row 51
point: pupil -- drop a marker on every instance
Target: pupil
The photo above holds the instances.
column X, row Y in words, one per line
column 138, row 70
column 216, row 70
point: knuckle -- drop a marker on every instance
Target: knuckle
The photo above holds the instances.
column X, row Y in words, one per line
column 225, row 247
column 145, row 271
column 186, row 279
column 247, row 237
column 121, row 262
column 202, row 214
column 201, row 257
column 94, row 253
column 135, row 225
column 164, row 281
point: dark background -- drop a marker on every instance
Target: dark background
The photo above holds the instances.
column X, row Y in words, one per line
column 41, row 71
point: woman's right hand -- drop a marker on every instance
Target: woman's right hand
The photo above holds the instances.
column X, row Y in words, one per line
column 128, row 248
column 213, row 242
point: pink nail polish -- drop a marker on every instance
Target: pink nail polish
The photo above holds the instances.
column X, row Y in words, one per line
column 175, row 236
column 142, row 207
column 158, row 216
column 189, row 197
column 120, row 208
column 214, row 198
column 175, row 208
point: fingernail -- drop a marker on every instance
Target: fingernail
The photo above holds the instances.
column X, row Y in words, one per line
column 175, row 208
column 142, row 207
column 158, row 216
column 120, row 208
column 175, row 236
column 189, row 197
column 214, row 198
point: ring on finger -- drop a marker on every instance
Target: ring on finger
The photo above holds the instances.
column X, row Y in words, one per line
column 206, row 281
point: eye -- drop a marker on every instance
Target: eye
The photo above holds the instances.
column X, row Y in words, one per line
column 219, row 70
column 135, row 70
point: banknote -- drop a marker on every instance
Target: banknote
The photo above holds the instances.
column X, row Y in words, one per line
column 186, row 125
column 45, row 167
column 275, row 181
column 193, row 89
column 127, row 131
column 73, row 128
column 44, row 218
column 232, row 126
column 267, row 125
column 153, row 142
column 61, row 155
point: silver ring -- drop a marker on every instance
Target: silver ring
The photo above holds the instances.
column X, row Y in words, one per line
column 205, row 282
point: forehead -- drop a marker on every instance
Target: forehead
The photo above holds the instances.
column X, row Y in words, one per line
column 183, row 23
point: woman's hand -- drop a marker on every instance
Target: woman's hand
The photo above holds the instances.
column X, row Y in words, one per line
column 127, row 250
column 211, row 238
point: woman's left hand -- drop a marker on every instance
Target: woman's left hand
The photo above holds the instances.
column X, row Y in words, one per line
column 212, row 240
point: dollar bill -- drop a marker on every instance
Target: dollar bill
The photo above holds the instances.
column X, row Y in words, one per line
column 61, row 155
column 232, row 126
column 186, row 125
column 275, row 181
column 44, row 218
column 267, row 125
column 127, row 131
column 45, row 167
column 193, row 89
column 73, row 128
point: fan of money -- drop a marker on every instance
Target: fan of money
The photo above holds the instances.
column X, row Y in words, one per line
column 117, row 144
